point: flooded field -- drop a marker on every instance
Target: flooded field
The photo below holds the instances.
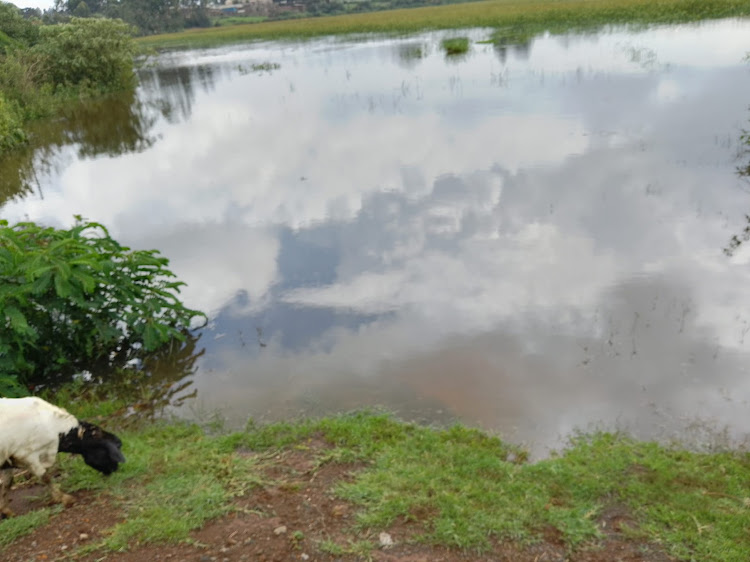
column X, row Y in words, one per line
column 532, row 239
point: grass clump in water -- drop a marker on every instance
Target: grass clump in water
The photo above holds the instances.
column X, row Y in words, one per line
column 455, row 45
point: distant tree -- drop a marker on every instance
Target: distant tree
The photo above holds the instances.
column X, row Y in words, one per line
column 14, row 26
column 31, row 13
column 197, row 16
column 70, row 6
column 51, row 17
column 149, row 16
column 82, row 10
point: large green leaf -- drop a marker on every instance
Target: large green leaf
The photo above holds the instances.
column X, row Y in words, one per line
column 11, row 388
column 17, row 320
column 74, row 299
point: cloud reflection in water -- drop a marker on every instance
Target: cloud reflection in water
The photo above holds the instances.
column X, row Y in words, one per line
column 529, row 242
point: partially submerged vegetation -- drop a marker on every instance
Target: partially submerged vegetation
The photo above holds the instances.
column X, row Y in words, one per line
column 457, row 488
column 46, row 68
column 509, row 17
column 76, row 299
column 455, row 45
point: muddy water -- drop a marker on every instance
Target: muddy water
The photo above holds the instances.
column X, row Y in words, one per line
column 529, row 239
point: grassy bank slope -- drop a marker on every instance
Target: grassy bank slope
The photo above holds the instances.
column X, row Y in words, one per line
column 456, row 489
column 526, row 16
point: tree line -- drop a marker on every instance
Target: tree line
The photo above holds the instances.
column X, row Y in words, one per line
column 148, row 17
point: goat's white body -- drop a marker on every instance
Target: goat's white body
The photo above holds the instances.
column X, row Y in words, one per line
column 30, row 431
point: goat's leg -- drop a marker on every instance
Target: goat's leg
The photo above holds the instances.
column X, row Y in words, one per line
column 6, row 481
column 57, row 494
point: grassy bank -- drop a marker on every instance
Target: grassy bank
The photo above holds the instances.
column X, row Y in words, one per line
column 456, row 488
column 511, row 17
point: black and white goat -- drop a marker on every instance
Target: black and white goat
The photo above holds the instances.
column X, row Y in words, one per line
column 32, row 432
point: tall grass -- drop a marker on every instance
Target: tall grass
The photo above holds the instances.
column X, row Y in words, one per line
column 455, row 45
column 530, row 15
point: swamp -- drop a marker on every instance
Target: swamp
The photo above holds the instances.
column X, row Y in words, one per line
column 537, row 238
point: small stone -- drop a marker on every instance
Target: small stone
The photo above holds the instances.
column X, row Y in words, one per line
column 280, row 530
column 64, row 547
column 83, row 536
column 304, row 556
column 385, row 540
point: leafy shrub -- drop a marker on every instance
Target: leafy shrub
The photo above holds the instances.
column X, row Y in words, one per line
column 5, row 42
column 22, row 82
column 11, row 133
column 93, row 52
column 76, row 299
column 14, row 26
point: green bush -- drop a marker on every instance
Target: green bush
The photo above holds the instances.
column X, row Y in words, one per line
column 68, row 62
column 14, row 26
column 11, row 132
column 5, row 42
column 91, row 53
column 23, row 82
column 76, row 299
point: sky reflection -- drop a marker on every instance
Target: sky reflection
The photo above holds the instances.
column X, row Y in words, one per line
column 528, row 240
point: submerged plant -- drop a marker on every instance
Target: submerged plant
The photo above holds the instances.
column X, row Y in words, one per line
column 455, row 45
column 259, row 67
column 75, row 299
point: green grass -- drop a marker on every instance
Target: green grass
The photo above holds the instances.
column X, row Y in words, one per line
column 460, row 487
column 238, row 20
column 175, row 479
column 509, row 17
column 361, row 549
column 17, row 527
column 455, row 45
column 464, row 488
column 185, row 478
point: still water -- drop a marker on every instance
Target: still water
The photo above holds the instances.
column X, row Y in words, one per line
column 528, row 239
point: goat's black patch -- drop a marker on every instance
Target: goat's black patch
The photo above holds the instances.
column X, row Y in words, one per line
column 99, row 449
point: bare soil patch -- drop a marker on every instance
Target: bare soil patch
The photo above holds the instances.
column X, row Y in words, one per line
column 293, row 517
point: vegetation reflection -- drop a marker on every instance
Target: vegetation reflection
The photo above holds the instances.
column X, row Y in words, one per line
column 743, row 171
column 109, row 126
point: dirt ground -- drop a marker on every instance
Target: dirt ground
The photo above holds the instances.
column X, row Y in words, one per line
column 287, row 521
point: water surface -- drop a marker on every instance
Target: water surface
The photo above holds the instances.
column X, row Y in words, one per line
column 529, row 239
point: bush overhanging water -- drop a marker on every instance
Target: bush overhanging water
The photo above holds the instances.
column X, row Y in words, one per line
column 75, row 299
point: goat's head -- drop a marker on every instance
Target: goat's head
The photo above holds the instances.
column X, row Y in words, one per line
column 99, row 449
